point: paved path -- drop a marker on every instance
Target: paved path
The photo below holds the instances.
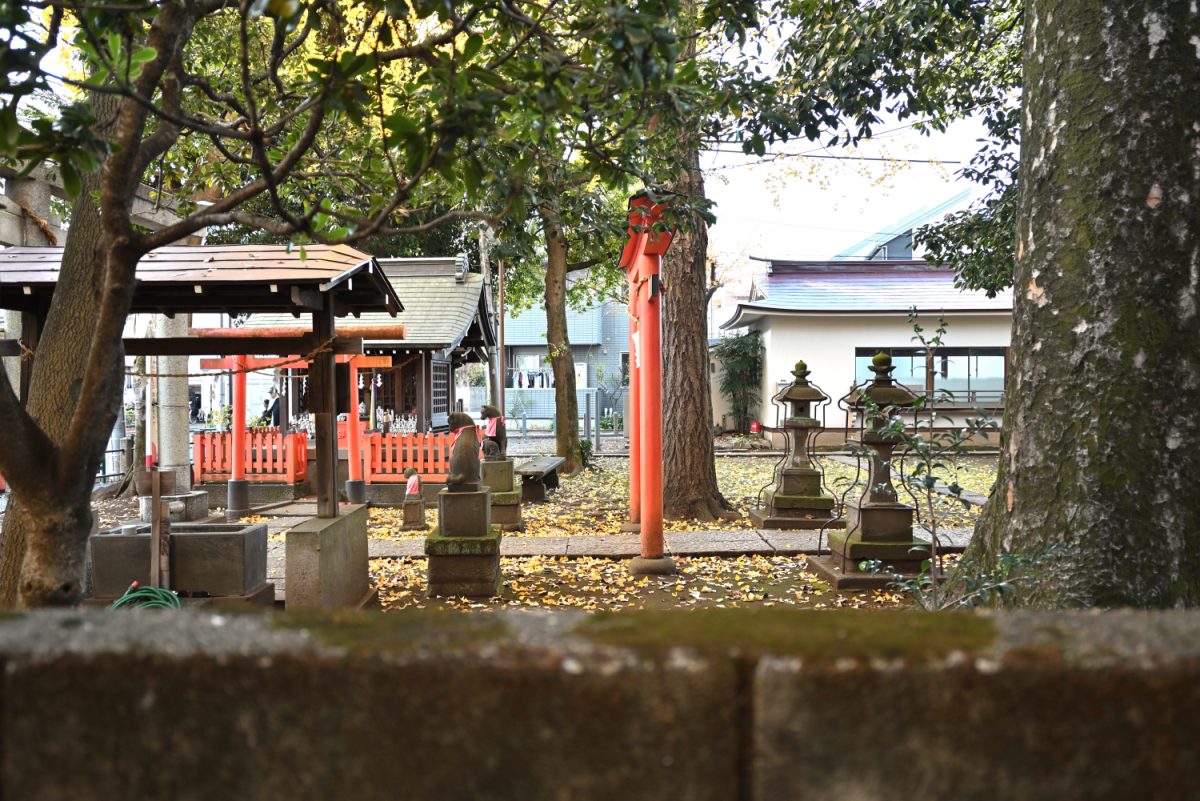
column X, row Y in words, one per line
column 763, row 542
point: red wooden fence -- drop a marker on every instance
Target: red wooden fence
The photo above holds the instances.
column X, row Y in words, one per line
column 343, row 430
column 270, row 456
column 388, row 455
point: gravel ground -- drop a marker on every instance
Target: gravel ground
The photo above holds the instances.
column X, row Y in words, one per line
column 111, row 512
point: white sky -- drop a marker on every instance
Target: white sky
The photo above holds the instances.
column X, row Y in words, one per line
column 808, row 208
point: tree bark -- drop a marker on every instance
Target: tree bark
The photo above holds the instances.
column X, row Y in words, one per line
column 566, row 410
column 689, row 463
column 57, row 376
column 1099, row 449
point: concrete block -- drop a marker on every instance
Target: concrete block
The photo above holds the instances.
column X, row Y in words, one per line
column 703, row 705
column 261, row 493
column 195, row 506
column 470, row 576
column 508, row 517
column 464, row 514
column 800, row 481
column 1068, row 712
column 395, row 706
column 206, row 559
column 414, row 515
column 438, row 544
column 498, row 475
column 326, row 561
column 880, row 521
column 385, row 494
column 511, row 498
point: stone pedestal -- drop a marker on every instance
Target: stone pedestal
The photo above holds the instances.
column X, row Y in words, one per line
column 327, row 565
column 464, row 550
column 183, row 508
column 499, row 476
column 414, row 514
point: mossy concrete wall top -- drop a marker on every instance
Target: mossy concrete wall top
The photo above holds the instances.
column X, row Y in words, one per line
column 714, row 704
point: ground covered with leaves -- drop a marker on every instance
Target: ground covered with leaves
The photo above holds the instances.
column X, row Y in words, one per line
column 595, row 502
column 591, row 584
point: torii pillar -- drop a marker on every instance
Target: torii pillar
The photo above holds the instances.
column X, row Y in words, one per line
column 641, row 260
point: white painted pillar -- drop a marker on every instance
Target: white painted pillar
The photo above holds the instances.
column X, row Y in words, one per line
column 174, row 436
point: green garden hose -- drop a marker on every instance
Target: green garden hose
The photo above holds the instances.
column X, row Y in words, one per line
column 147, row 598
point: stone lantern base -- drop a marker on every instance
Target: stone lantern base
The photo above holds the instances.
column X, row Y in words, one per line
column 875, row 531
column 796, row 502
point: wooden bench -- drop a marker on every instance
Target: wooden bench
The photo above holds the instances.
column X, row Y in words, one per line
column 538, row 475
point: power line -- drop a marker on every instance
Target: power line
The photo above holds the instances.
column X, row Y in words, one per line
column 775, row 156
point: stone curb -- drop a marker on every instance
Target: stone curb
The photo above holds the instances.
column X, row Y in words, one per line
column 703, row 705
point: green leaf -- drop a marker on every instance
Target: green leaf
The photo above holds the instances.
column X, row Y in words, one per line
column 70, row 178
column 473, row 46
column 10, row 129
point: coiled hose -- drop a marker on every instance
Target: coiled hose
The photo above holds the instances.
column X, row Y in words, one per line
column 147, row 598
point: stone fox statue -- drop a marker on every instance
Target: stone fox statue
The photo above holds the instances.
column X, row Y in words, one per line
column 464, row 455
column 495, row 429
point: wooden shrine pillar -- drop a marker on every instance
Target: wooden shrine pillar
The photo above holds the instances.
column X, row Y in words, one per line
column 322, row 400
column 356, row 488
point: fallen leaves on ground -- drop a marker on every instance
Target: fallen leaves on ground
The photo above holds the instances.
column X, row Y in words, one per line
column 591, row 584
column 596, row 501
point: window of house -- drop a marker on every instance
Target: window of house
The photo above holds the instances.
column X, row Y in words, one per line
column 440, row 387
column 529, row 362
column 955, row 376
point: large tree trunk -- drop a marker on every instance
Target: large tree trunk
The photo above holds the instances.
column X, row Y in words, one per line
column 689, row 470
column 566, row 411
column 1099, row 450
column 62, row 507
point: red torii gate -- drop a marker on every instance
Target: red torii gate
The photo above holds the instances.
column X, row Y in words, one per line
column 240, row 365
column 641, row 260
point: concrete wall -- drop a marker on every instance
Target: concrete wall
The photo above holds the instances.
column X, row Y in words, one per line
column 827, row 343
column 713, row 705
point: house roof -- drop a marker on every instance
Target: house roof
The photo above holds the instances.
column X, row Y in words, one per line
column 869, row 247
column 861, row 287
column 444, row 305
column 220, row 278
column 584, row 327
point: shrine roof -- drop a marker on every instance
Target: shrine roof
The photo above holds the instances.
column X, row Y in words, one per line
column 221, row 278
column 445, row 306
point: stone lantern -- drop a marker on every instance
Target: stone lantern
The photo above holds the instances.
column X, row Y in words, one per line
column 796, row 500
column 878, row 525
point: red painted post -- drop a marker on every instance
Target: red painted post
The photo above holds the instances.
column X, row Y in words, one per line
column 237, row 492
column 650, row 390
column 238, row 424
column 633, row 424
column 641, row 258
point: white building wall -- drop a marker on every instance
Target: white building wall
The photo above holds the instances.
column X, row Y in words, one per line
column 827, row 343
